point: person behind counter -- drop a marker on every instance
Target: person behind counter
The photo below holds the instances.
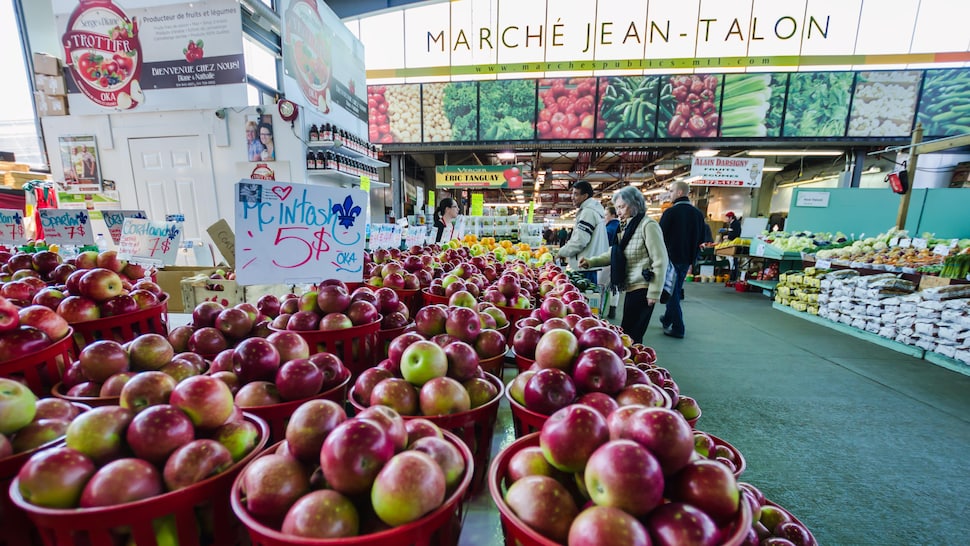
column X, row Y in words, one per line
column 445, row 218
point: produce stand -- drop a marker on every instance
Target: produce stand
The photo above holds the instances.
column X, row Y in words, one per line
column 760, row 252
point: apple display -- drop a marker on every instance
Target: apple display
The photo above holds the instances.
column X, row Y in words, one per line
column 409, row 486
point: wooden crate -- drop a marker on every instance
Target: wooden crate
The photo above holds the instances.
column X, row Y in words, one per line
column 17, row 179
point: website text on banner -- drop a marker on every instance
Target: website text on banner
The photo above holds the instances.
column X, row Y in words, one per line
column 298, row 233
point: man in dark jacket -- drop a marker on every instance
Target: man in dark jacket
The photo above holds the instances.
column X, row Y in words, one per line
column 684, row 230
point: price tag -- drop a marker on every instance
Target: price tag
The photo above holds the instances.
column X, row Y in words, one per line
column 417, row 235
column 894, row 241
column 145, row 241
column 759, row 250
column 954, row 242
column 175, row 218
column 66, row 227
column 478, row 204
column 905, row 243
column 942, row 250
column 295, row 233
column 919, row 243
column 532, row 208
column 365, row 183
column 115, row 218
column 823, row 264
column 12, row 227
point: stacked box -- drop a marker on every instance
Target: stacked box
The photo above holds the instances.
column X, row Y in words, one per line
column 50, row 89
column 800, row 290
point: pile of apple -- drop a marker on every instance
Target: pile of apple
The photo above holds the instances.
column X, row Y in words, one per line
column 215, row 327
column 635, row 475
column 411, row 274
column 104, row 367
column 276, row 369
column 114, row 455
column 338, row 477
column 28, row 330
column 772, row 524
column 27, row 423
column 330, row 306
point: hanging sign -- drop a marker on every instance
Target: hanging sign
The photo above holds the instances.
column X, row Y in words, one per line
column 149, row 242
column 478, row 176
column 66, row 227
column 727, row 171
column 12, row 227
column 115, row 218
column 296, row 233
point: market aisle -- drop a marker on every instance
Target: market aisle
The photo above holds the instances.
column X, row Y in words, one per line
column 863, row 444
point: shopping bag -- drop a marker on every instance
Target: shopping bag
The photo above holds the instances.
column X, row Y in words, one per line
column 670, row 280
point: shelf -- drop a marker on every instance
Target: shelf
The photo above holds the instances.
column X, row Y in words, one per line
column 343, row 178
column 767, row 287
column 338, row 147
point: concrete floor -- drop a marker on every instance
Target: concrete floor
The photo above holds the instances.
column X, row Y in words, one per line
column 863, row 444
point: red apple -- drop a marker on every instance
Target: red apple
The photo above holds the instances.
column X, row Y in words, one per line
column 549, row 390
column 677, row 523
column 158, row 431
column 46, row 320
column 78, row 309
column 625, row 475
column 49, row 297
column 544, row 505
column 443, row 396
column 146, row 389
column 607, row 525
column 322, row 515
column 463, row 360
column 109, row 259
column 195, row 461
column 430, row 321
column 207, row 341
column 599, row 369
column 409, row 486
column 557, row 348
column 298, row 379
column 256, row 359
column 55, row 478
column 234, row 323
column 102, row 359
column 310, row 423
column 366, row 381
column 257, row 394
column 709, row 486
column 353, row 454
column 390, row 421
column 205, row 313
column 100, row 284
column 571, row 435
column 99, row 433
column 272, row 483
column 150, row 351
column 397, row 394
column 207, row 401
column 290, row 345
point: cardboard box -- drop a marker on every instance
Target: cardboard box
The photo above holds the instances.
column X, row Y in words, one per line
column 170, row 279
column 45, row 63
column 196, row 290
column 225, row 240
column 50, row 105
column 17, row 179
column 50, row 85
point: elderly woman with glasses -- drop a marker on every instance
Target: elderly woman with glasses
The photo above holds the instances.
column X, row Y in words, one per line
column 445, row 217
column 638, row 262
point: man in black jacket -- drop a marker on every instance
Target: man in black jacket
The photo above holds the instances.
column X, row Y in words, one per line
column 684, row 230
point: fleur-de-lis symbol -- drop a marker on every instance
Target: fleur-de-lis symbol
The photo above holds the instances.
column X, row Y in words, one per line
column 82, row 218
column 140, row 215
column 16, row 217
column 347, row 212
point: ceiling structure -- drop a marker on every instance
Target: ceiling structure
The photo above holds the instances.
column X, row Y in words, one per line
column 549, row 173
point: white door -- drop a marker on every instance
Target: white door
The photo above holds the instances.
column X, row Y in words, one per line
column 173, row 175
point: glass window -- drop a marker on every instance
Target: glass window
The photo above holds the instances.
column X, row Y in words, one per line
column 18, row 128
column 261, row 65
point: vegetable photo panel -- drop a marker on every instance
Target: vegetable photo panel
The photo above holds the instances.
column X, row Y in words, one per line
column 752, row 105
column 817, row 104
column 449, row 112
column 688, row 106
column 884, row 103
column 944, row 108
column 507, row 109
column 628, row 107
column 567, row 108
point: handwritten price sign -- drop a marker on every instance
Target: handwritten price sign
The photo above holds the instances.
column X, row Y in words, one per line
column 66, row 227
column 292, row 233
column 145, row 241
column 115, row 218
column 385, row 236
column 12, row 227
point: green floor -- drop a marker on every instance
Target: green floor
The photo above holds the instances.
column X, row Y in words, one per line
column 863, row 444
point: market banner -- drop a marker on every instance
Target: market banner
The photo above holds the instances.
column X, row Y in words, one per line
column 478, row 176
column 12, row 227
column 727, row 171
column 298, row 233
column 151, row 55
column 150, row 242
column 114, row 219
column 323, row 66
column 66, row 227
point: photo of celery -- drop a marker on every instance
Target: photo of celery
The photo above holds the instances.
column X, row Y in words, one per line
column 818, row 104
column 944, row 109
column 753, row 104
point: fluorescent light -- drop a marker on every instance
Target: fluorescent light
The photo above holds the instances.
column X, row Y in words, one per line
column 706, row 153
column 655, row 191
column 636, row 184
column 506, row 156
column 772, row 169
column 519, row 191
column 662, row 170
column 795, row 152
column 511, row 205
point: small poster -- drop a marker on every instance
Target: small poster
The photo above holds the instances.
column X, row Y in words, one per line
column 260, row 145
column 79, row 161
column 66, row 227
column 114, row 219
column 12, row 227
column 148, row 242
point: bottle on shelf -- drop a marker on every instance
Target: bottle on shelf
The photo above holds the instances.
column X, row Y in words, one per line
column 321, row 160
column 101, row 243
column 327, row 133
column 314, row 133
column 331, row 161
column 311, row 160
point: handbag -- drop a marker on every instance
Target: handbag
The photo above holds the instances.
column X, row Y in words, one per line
column 670, row 280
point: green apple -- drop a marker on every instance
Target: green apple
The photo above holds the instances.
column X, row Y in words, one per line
column 18, row 405
column 422, row 361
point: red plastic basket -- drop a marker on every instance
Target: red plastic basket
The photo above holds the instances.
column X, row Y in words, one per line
column 95, row 526
column 517, row 532
column 812, row 542
column 59, row 391
column 514, row 314
column 356, row 347
column 278, row 415
column 522, row 363
column 475, row 427
column 524, row 420
column 427, row 298
column 742, row 464
column 122, row 328
column 439, row 528
column 384, row 339
column 41, row 370
column 494, row 365
column 410, row 297
column 16, row 528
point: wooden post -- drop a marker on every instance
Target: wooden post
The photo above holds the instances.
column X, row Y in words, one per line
column 911, row 172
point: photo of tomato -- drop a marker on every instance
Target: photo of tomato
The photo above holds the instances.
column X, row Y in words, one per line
column 567, row 109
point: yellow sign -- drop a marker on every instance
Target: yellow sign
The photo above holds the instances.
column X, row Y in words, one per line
column 365, row 183
column 431, row 200
column 532, row 209
column 478, row 204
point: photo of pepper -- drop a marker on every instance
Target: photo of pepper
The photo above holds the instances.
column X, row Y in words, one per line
column 628, row 107
column 507, row 109
column 567, row 108
column 818, row 104
column 944, row 109
column 688, row 106
column 753, row 104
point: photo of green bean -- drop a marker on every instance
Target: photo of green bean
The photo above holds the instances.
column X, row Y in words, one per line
column 944, row 109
